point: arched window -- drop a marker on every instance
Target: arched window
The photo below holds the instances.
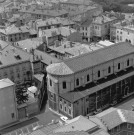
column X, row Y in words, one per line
column 126, row 40
column 77, row 82
column 128, row 62
column 64, row 85
column 99, row 73
column 118, row 65
column 129, row 41
column 109, row 69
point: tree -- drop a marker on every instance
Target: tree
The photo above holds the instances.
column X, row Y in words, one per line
column 21, row 95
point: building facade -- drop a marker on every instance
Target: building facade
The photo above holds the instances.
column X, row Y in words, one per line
column 14, row 34
column 122, row 32
column 91, row 82
column 15, row 64
column 8, row 111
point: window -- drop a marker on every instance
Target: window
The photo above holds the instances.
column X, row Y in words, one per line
column 128, row 33
column 69, row 104
column 50, row 82
column 120, row 38
column 64, row 85
column 118, row 65
column 12, row 115
column 99, row 73
column 117, row 37
column 69, row 110
column 95, row 27
column 109, row 69
column 127, row 62
column 117, row 31
column 128, row 126
column 121, row 32
column 61, row 107
column 65, row 108
column 88, row 79
column 118, row 128
column 77, row 82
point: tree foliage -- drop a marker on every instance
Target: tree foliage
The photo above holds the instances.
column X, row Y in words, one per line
column 21, row 95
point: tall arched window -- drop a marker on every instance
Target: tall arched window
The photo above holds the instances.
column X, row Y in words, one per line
column 77, row 82
column 109, row 69
column 128, row 62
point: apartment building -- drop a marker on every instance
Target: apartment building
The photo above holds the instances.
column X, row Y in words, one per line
column 15, row 64
column 8, row 111
column 53, row 23
column 122, row 32
column 91, row 82
column 85, row 30
column 14, row 34
column 101, row 26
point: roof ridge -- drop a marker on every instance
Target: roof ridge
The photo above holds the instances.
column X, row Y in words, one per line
column 82, row 55
column 122, row 117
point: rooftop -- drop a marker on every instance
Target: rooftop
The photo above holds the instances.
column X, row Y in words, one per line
column 91, row 59
column 79, row 124
column 46, row 58
column 13, row 30
column 11, row 55
column 5, row 83
column 54, row 21
column 29, row 44
column 51, row 13
column 64, row 31
column 102, row 19
column 113, row 117
column 72, row 49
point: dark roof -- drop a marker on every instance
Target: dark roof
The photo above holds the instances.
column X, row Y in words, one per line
column 100, row 56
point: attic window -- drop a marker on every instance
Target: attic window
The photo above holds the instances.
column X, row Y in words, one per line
column 17, row 57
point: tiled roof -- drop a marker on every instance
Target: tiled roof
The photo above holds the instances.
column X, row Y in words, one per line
column 46, row 58
column 29, row 44
column 51, row 13
column 39, row 77
column 3, row 44
column 114, row 117
column 46, row 130
column 78, row 2
column 59, row 69
column 13, row 29
column 102, row 19
column 71, row 133
column 94, row 58
column 11, row 55
column 64, row 31
column 81, row 124
column 5, row 83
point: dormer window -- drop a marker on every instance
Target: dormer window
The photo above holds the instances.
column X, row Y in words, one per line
column 64, row 85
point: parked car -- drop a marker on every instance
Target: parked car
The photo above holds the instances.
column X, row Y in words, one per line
column 63, row 118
